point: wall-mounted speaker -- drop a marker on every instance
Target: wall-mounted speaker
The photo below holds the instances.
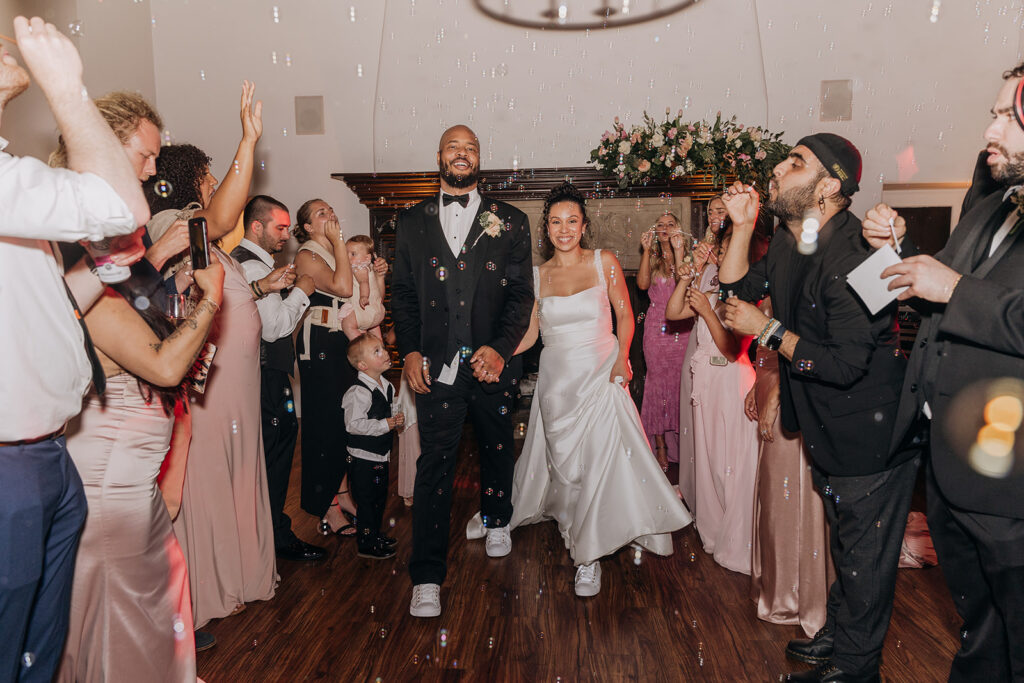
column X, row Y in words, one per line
column 309, row 115
column 836, row 100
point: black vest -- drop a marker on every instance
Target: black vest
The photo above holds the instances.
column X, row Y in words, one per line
column 458, row 286
column 380, row 409
column 276, row 355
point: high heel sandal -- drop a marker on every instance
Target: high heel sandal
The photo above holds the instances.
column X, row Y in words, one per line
column 325, row 528
column 350, row 516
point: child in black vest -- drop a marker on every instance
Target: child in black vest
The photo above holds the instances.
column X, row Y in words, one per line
column 369, row 423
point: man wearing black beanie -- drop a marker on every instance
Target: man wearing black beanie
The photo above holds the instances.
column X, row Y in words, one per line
column 840, row 369
column 963, row 388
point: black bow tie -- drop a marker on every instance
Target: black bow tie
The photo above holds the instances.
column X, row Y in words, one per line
column 461, row 199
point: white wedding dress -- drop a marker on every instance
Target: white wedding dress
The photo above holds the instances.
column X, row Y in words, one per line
column 586, row 462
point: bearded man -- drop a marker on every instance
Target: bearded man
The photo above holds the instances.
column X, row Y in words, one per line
column 963, row 389
column 841, row 369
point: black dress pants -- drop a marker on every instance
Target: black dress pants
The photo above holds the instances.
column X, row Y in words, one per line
column 369, row 482
column 280, row 430
column 982, row 560
column 441, row 415
column 867, row 517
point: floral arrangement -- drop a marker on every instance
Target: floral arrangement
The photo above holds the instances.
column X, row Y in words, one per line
column 674, row 148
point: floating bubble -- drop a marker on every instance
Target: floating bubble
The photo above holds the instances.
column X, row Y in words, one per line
column 442, row 273
column 28, row 659
column 444, row 637
column 163, row 188
column 141, row 303
column 75, row 28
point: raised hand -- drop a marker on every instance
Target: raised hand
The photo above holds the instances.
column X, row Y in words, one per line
column 278, row 279
column 875, row 226
column 127, row 249
column 50, row 56
column 211, row 279
column 646, row 239
column 699, row 303
column 742, row 202
column 252, row 116
column 332, row 231
column 380, row 265
column 743, row 317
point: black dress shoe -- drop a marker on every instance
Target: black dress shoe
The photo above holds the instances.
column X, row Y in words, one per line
column 826, row 673
column 204, row 640
column 300, row 551
column 376, row 552
column 387, row 541
column 816, row 650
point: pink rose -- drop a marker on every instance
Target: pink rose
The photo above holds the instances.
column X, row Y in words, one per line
column 672, row 133
column 760, row 155
column 744, row 157
column 644, row 166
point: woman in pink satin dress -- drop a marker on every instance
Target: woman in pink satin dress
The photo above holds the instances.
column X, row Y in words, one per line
column 131, row 615
column 725, row 442
column 792, row 568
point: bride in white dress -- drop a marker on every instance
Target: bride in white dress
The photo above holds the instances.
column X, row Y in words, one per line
column 586, row 462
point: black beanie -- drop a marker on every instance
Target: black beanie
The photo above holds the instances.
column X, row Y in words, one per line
column 839, row 157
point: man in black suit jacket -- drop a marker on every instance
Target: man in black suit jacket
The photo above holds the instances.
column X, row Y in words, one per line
column 461, row 299
column 968, row 360
column 840, row 369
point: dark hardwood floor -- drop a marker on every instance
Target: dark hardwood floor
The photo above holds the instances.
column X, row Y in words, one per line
column 680, row 618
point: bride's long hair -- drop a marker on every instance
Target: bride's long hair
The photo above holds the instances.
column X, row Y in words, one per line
column 563, row 192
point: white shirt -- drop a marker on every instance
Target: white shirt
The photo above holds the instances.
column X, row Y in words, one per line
column 356, row 404
column 457, row 221
column 44, row 371
column 279, row 315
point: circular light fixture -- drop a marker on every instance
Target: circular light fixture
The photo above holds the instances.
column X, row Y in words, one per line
column 578, row 15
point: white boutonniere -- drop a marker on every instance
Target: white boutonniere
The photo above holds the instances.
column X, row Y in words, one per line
column 491, row 224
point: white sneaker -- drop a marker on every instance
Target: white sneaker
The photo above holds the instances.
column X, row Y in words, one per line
column 426, row 600
column 588, row 579
column 499, row 542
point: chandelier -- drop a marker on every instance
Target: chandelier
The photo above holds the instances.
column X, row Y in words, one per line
column 578, row 15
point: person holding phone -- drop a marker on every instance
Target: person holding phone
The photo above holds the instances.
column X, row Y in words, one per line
column 130, row 591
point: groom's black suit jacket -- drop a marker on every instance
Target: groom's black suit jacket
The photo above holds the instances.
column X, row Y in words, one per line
column 974, row 339
column 486, row 293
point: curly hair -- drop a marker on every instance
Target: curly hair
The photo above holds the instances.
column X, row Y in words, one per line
column 180, row 170
column 302, row 217
column 563, row 192
column 123, row 112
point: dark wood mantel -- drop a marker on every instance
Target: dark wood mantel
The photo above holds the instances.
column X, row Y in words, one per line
column 391, row 191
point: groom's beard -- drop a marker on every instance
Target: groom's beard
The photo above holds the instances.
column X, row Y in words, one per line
column 458, row 181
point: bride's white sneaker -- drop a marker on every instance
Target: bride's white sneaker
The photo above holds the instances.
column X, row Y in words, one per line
column 588, row 579
column 499, row 542
column 426, row 600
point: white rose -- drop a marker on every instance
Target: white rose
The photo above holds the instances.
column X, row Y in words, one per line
column 624, row 147
column 658, row 140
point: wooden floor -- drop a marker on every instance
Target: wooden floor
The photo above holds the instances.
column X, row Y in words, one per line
column 681, row 618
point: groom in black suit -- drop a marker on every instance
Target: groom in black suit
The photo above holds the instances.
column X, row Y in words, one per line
column 968, row 360
column 461, row 300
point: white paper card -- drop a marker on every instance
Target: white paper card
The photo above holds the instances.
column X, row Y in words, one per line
column 866, row 279
column 449, row 371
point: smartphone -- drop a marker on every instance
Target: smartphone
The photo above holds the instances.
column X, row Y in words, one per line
column 199, row 245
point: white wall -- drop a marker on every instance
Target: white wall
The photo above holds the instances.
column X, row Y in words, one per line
column 113, row 38
column 545, row 97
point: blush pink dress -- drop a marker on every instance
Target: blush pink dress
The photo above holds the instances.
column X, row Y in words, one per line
column 725, row 451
